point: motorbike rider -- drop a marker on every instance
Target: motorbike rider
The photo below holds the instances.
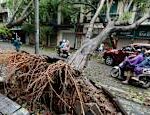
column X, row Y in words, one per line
column 62, row 43
column 65, row 46
column 144, row 64
column 130, row 62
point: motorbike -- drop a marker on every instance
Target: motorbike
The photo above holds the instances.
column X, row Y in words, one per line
column 144, row 77
column 63, row 53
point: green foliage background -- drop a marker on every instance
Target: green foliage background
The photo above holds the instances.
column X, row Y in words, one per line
column 49, row 11
column 4, row 31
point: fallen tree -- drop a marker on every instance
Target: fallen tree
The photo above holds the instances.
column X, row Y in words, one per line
column 32, row 78
column 54, row 87
column 114, row 24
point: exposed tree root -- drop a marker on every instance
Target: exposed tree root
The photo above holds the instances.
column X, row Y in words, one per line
column 55, row 87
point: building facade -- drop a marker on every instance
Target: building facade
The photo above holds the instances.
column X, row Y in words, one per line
column 3, row 12
column 122, row 38
column 75, row 33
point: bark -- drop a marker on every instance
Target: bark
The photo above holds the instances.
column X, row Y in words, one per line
column 90, row 29
column 132, row 26
column 19, row 21
column 125, row 6
column 128, row 6
column 37, row 27
column 27, row 8
column 15, row 12
column 108, row 10
column 80, row 58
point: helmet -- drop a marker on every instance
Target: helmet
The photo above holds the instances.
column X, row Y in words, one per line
column 139, row 50
column 147, row 52
column 63, row 40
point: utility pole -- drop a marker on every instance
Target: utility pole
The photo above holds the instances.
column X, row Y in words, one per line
column 36, row 26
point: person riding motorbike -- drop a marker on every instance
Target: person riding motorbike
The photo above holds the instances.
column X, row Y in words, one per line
column 130, row 62
column 64, row 47
column 144, row 64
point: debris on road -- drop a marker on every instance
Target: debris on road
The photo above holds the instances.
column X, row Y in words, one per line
column 54, row 87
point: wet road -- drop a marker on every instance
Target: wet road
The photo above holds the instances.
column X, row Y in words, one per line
column 132, row 98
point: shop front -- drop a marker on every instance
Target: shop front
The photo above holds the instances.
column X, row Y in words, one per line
column 141, row 35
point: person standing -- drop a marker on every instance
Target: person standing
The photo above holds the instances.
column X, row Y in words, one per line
column 17, row 43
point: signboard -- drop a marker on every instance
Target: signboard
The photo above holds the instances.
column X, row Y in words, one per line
column 143, row 32
column 127, row 34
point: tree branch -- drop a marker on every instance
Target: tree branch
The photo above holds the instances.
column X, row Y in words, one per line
column 25, row 13
column 132, row 26
column 26, row 9
column 124, row 3
column 129, row 5
column 85, row 13
column 80, row 57
column 104, row 33
column 108, row 10
column 15, row 13
column 90, row 29
column 19, row 20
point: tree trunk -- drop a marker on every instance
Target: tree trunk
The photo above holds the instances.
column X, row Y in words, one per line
column 80, row 58
column 37, row 26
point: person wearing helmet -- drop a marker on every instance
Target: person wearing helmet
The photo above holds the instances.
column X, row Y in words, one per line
column 144, row 64
column 130, row 63
column 62, row 44
column 66, row 46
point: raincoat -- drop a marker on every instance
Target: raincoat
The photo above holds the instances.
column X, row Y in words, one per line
column 144, row 64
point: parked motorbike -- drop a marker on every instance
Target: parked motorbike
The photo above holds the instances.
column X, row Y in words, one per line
column 144, row 78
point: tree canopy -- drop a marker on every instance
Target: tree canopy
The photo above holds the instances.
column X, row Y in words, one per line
column 4, row 31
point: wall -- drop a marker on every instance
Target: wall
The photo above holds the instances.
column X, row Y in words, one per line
column 68, row 35
column 124, row 42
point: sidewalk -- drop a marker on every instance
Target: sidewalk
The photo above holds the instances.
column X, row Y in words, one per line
column 6, row 46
